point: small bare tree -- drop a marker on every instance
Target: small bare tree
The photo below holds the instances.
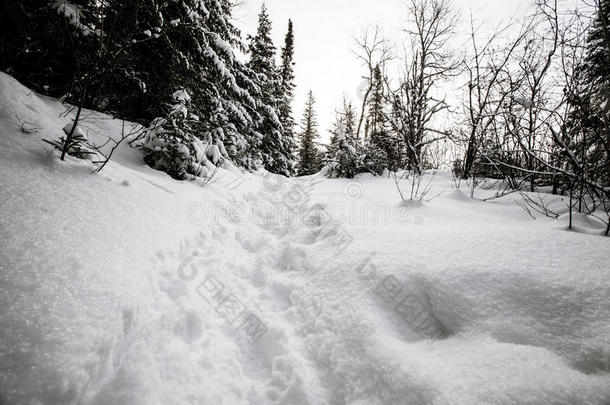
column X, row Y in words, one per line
column 428, row 62
column 489, row 85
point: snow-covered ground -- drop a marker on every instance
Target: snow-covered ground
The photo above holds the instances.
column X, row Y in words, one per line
column 128, row 287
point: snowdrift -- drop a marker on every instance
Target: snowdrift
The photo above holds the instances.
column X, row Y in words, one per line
column 127, row 287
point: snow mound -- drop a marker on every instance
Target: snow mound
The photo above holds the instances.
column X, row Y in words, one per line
column 582, row 223
column 459, row 195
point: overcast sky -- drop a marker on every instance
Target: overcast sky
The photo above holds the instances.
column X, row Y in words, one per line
column 324, row 31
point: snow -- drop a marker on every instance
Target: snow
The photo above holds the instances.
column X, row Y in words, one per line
column 179, row 109
column 142, row 85
column 127, row 287
column 77, row 132
column 213, row 152
column 523, row 102
column 181, row 95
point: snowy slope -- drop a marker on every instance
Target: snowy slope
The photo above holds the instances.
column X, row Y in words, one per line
column 127, row 287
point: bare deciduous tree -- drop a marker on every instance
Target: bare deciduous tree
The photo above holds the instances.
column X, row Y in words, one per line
column 489, row 85
column 428, row 62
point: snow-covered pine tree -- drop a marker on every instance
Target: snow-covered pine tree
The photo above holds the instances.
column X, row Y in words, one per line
column 276, row 154
column 288, row 86
column 171, row 146
column 597, row 72
column 309, row 156
column 598, row 54
column 344, row 152
column 192, row 48
column 227, row 93
column 381, row 147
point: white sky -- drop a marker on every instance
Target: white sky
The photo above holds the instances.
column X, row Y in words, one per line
column 324, row 31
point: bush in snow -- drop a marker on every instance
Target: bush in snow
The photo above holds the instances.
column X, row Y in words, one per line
column 346, row 162
column 174, row 144
column 375, row 159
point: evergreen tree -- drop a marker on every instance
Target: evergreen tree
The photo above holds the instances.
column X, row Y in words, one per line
column 598, row 54
column 591, row 108
column 287, row 93
column 344, row 152
column 262, row 51
column 192, row 47
column 227, row 95
column 275, row 152
column 309, row 157
column 381, row 147
column 376, row 113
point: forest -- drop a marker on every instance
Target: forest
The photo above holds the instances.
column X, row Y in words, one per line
column 196, row 209
column 532, row 111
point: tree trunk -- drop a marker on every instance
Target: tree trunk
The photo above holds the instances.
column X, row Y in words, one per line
column 571, row 205
column 470, row 156
column 363, row 110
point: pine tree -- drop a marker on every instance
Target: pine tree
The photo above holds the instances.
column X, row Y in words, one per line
column 594, row 107
column 262, row 50
column 376, row 114
column 227, row 95
column 287, row 87
column 275, row 152
column 344, row 152
column 598, row 53
column 381, row 146
column 191, row 46
column 309, row 157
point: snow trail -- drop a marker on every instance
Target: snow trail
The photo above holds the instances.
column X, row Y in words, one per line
column 231, row 286
column 245, row 291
